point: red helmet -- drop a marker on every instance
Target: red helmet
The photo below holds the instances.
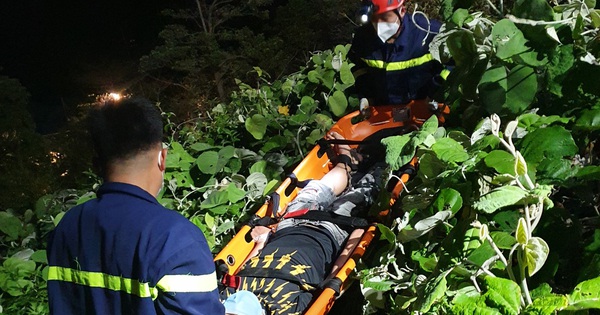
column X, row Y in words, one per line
column 381, row 6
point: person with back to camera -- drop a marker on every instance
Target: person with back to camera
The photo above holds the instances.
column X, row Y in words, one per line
column 393, row 65
column 124, row 253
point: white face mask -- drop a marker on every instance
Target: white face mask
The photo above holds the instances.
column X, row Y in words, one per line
column 385, row 30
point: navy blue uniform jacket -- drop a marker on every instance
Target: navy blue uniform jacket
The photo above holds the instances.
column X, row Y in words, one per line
column 123, row 253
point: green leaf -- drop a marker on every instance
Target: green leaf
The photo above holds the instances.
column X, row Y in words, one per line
column 398, row 153
column 503, row 294
column 207, row 162
column 276, row 142
column 522, row 234
column 462, row 47
column 338, row 103
column 503, row 239
column 461, row 16
column 235, row 194
column 589, row 120
column 10, row 225
column 533, row 10
column 424, row 226
column 499, row 197
column 585, row 295
column 307, row 105
column 256, row 126
column 434, row 290
column 386, row 233
column 521, row 89
column 551, row 142
column 492, row 89
column 546, row 305
column 449, row 150
column 214, row 199
column 508, row 39
column 536, row 253
column 39, row 256
column 502, row 161
column 346, row 74
column 448, row 199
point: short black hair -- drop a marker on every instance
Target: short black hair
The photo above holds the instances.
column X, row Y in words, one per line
column 120, row 129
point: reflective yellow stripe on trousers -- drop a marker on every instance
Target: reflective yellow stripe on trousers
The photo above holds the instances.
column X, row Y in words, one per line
column 169, row 283
column 398, row 65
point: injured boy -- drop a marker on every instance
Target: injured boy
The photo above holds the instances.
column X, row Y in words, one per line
column 289, row 264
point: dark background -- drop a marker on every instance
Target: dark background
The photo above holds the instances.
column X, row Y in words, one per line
column 63, row 51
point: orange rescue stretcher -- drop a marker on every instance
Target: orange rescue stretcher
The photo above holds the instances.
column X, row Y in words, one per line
column 356, row 126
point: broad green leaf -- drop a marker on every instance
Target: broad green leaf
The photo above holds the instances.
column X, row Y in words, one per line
column 307, row 105
column 276, row 142
column 533, row 10
column 338, row 103
column 215, row 198
column 502, row 161
column 546, row 305
column 256, row 126
column 461, row 16
column 39, row 256
column 10, row 225
column 522, row 234
column 424, row 226
column 234, row 194
column 499, row 197
column 551, row 142
column 346, row 74
column 224, row 155
column 589, row 120
column 258, row 167
column 57, row 218
column 378, row 284
column 536, row 253
column 558, row 67
column 313, row 76
column 462, row 48
column 398, row 153
column 434, row 290
column 503, row 294
column 521, row 88
column 503, row 239
column 257, row 183
column 585, row 295
column 386, row 233
column 520, row 165
column 448, row 199
column 430, row 166
column 449, row 150
column 271, row 186
column 209, row 220
column 492, row 89
column 508, row 39
column 207, row 162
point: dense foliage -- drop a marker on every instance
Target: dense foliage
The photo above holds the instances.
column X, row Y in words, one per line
column 502, row 217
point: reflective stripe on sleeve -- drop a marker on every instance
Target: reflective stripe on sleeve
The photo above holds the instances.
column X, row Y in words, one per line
column 445, row 73
column 188, row 283
column 168, row 283
column 102, row 280
column 398, row 65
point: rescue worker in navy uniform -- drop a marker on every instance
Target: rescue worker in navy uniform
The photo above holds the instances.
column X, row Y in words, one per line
column 124, row 253
column 300, row 254
column 393, row 65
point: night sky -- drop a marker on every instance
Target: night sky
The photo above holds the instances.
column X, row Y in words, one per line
column 62, row 51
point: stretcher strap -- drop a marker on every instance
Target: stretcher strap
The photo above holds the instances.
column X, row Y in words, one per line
column 341, row 220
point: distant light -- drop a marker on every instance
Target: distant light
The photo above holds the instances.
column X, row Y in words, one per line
column 364, row 19
column 114, row 96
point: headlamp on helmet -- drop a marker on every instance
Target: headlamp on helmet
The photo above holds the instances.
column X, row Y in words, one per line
column 371, row 7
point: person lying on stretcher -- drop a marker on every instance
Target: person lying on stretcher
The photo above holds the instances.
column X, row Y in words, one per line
column 291, row 263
